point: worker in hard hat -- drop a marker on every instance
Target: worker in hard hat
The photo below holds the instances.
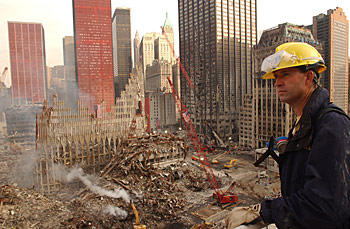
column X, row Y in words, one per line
column 315, row 165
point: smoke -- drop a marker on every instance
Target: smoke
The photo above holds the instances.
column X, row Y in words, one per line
column 23, row 171
column 115, row 211
column 77, row 173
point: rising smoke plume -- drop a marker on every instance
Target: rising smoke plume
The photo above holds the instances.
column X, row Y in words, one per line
column 23, row 171
column 78, row 173
column 66, row 176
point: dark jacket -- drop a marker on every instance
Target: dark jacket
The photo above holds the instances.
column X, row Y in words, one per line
column 314, row 171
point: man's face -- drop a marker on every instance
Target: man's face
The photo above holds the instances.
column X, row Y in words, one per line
column 290, row 85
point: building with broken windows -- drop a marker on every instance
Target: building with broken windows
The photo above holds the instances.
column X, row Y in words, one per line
column 216, row 44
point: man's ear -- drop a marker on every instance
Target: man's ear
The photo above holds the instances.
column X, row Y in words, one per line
column 310, row 76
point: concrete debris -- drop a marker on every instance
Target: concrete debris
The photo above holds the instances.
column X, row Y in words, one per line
column 167, row 187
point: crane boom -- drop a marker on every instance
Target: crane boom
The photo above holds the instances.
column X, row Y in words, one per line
column 223, row 197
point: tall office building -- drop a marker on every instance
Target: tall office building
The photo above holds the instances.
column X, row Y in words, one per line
column 69, row 58
column 93, row 51
column 137, row 49
column 216, row 41
column 121, row 31
column 333, row 30
column 28, row 62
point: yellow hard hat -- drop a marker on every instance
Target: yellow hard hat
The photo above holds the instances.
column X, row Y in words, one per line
column 292, row 54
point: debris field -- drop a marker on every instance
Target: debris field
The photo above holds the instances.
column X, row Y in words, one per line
column 169, row 192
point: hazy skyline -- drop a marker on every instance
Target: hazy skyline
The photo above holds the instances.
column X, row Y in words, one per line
column 146, row 16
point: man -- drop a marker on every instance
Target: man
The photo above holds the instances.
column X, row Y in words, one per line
column 315, row 166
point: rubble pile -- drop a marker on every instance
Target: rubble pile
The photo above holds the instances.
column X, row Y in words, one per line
column 25, row 208
column 13, row 156
column 158, row 193
column 168, row 189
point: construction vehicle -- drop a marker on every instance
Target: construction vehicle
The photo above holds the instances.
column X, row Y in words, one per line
column 137, row 224
column 215, row 159
column 232, row 163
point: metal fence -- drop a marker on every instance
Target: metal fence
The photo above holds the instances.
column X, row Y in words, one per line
column 70, row 138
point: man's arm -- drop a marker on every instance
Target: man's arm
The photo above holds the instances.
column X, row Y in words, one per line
column 323, row 202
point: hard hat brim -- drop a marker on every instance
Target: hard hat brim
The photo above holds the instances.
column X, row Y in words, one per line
column 270, row 75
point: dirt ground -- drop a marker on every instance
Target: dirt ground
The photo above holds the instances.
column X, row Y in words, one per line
column 176, row 195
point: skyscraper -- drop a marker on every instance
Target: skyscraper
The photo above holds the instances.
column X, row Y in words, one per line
column 216, row 41
column 136, row 49
column 93, row 51
column 333, row 31
column 69, row 58
column 121, row 48
column 28, row 63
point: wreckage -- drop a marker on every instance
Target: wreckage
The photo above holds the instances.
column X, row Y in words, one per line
column 88, row 168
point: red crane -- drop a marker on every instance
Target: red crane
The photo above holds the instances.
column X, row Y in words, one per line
column 222, row 197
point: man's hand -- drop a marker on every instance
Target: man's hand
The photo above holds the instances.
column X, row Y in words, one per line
column 242, row 215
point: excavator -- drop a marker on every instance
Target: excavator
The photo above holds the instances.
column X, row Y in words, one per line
column 137, row 224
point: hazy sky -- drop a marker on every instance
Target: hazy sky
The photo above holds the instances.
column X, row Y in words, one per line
column 146, row 16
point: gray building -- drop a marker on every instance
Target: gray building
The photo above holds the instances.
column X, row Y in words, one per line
column 333, row 31
column 69, row 58
column 162, row 111
column 157, row 74
column 137, row 42
column 122, row 62
column 216, row 42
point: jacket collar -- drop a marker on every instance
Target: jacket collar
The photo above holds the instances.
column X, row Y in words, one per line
column 318, row 100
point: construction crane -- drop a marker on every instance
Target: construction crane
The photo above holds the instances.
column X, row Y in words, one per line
column 178, row 60
column 222, row 197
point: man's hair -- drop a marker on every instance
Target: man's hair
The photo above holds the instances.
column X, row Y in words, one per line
column 305, row 69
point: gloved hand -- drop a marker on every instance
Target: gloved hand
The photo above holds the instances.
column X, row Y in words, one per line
column 242, row 215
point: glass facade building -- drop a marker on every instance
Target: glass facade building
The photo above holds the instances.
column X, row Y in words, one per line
column 121, row 30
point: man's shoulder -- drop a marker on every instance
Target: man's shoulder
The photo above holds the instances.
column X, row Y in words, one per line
column 332, row 111
column 334, row 117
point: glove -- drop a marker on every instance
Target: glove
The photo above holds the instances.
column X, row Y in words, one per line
column 243, row 215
